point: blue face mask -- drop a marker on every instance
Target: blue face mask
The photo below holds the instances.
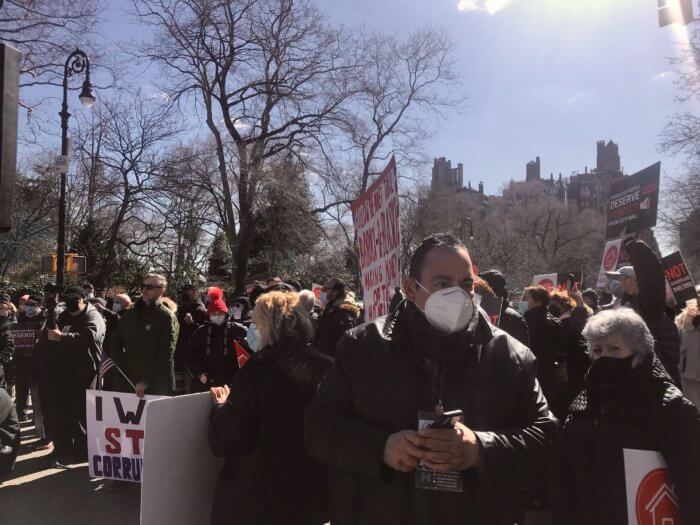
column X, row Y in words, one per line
column 615, row 288
column 253, row 337
column 522, row 307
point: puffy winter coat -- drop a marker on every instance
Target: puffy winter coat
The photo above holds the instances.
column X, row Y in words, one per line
column 642, row 411
column 268, row 477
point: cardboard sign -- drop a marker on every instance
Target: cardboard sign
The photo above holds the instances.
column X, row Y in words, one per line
column 679, row 278
column 116, row 429
column 375, row 215
column 180, row 471
column 634, row 202
column 25, row 335
column 611, row 254
column 651, row 499
column 316, row 289
column 492, row 306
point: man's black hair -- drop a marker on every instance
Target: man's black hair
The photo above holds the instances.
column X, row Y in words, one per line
column 340, row 287
column 437, row 240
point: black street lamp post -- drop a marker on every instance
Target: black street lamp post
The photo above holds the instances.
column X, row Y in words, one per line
column 77, row 63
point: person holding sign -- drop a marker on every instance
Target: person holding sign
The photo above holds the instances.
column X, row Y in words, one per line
column 628, row 402
column 268, row 477
column 644, row 290
column 378, row 418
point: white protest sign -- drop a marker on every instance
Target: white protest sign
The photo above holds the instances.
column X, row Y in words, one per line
column 651, row 499
column 611, row 254
column 375, row 214
column 116, row 428
column 180, row 471
column 548, row 280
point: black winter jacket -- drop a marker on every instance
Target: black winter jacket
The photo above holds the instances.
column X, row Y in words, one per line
column 7, row 348
column 80, row 347
column 548, row 343
column 207, row 354
column 199, row 316
column 334, row 322
column 268, row 477
column 9, row 432
column 514, row 324
column 377, row 386
column 650, row 304
column 577, row 358
column 644, row 411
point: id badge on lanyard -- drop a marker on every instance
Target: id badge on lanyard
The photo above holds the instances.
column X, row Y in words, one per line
column 427, row 479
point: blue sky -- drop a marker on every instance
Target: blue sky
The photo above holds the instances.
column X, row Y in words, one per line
column 543, row 77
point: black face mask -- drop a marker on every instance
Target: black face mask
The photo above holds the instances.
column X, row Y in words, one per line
column 608, row 370
column 73, row 304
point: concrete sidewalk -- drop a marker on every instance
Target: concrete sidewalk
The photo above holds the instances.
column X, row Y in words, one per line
column 36, row 494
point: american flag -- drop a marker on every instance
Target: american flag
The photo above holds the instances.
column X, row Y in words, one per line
column 106, row 364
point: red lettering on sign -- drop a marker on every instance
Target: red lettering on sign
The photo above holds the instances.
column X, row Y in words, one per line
column 112, row 437
column 135, row 435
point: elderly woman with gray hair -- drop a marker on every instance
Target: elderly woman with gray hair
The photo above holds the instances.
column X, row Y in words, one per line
column 628, row 401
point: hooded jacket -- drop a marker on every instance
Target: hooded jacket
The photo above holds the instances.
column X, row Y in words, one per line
column 143, row 346
column 268, row 476
column 341, row 316
column 642, row 410
column 383, row 376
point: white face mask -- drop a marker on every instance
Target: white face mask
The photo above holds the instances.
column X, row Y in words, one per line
column 217, row 319
column 448, row 310
column 523, row 307
column 236, row 313
column 324, row 298
column 253, row 337
column 117, row 307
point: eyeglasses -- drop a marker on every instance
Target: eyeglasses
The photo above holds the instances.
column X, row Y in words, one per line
column 151, row 286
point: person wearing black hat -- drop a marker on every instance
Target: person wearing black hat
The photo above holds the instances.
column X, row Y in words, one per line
column 79, row 335
column 191, row 314
column 511, row 321
column 592, row 299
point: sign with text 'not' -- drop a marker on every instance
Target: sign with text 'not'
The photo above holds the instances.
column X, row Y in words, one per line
column 375, row 214
column 116, row 430
column 679, row 278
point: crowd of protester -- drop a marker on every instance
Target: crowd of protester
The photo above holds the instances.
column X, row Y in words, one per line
column 318, row 415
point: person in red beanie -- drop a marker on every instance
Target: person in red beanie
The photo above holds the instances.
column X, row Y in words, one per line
column 212, row 358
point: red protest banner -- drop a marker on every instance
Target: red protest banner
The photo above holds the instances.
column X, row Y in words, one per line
column 375, row 215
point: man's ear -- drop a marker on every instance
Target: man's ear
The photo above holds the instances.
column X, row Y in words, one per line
column 410, row 288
